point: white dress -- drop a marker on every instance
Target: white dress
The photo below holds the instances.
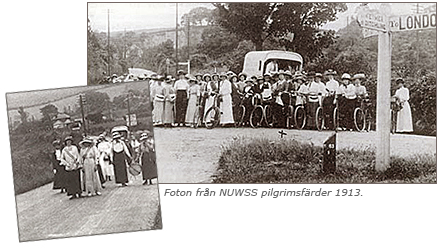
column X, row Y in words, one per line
column 404, row 117
column 226, row 103
column 104, row 148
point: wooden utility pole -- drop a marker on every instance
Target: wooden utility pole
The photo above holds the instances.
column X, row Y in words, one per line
column 108, row 45
column 176, row 38
column 129, row 111
column 81, row 104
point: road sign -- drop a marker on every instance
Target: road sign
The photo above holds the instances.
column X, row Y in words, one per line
column 132, row 118
column 413, row 22
column 372, row 19
column 369, row 32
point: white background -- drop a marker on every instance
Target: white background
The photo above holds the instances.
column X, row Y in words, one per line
column 43, row 45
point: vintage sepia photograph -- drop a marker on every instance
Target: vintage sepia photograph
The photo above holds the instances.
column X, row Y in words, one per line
column 278, row 92
column 83, row 161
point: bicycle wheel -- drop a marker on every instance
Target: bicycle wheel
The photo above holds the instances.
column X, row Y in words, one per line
column 290, row 117
column 320, row 120
column 256, row 116
column 242, row 117
column 212, row 117
column 238, row 115
column 300, row 117
column 335, row 117
column 268, row 116
column 368, row 119
column 359, row 120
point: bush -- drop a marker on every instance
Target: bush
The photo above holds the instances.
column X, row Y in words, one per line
column 288, row 161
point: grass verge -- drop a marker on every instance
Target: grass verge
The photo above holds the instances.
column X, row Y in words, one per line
column 259, row 160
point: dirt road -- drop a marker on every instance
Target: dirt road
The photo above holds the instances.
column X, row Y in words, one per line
column 187, row 155
column 44, row 213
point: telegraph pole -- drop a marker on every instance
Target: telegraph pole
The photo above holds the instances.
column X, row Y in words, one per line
column 129, row 112
column 176, row 38
column 81, row 104
column 108, row 45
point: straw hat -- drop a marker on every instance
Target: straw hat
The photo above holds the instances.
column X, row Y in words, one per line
column 86, row 140
column 144, row 136
column 330, row 72
column 206, row 75
column 359, row 76
column 242, row 74
column 346, row 76
column 116, row 135
column 318, row 74
column 68, row 138
column 180, row 72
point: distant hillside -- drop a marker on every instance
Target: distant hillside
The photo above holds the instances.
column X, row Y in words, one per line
column 33, row 101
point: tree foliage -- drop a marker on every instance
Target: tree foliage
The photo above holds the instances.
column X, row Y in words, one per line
column 48, row 112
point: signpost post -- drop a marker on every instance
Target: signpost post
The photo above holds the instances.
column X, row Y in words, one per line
column 380, row 23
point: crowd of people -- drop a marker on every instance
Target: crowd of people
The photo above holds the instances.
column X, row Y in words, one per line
column 175, row 101
column 83, row 170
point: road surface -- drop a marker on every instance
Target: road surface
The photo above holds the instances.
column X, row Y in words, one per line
column 188, row 155
column 44, row 213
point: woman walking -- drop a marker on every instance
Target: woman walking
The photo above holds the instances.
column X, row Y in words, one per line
column 70, row 159
column 147, row 159
column 120, row 155
column 58, row 169
column 89, row 159
column 194, row 95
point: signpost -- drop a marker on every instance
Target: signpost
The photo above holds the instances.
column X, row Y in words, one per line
column 381, row 24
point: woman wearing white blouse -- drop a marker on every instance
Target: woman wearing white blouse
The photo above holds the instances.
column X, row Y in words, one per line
column 404, row 117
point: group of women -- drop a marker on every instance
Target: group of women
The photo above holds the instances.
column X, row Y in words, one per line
column 83, row 171
column 175, row 103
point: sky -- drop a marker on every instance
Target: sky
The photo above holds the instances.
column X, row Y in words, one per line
column 134, row 16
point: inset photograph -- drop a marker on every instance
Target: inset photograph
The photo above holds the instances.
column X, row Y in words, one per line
column 83, row 161
column 279, row 92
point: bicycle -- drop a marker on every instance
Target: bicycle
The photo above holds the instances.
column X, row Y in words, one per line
column 261, row 112
column 213, row 114
column 239, row 112
column 362, row 116
column 301, row 115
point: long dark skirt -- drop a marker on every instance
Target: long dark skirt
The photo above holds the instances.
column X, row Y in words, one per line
column 180, row 106
column 328, row 111
column 59, row 179
column 120, row 168
column 149, row 167
column 73, row 182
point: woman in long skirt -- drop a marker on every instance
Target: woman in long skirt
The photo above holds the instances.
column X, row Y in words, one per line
column 147, row 159
column 194, row 94
column 159, row 101
column 58, row 169
column 181, row 86
column 404, row 121
column 225, row 92
column 70, row 159
column 168, row 111
column 211, row 91
column 89, row 158
column 104, row 157
column 119, row 155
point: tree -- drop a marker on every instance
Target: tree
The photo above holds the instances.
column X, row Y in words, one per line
column 23, row 114
column 249, row 21
column 215, row 41
column 259, row 21
column 96, row 102
column 96, row 57
column 197, row 17
column 48, row 112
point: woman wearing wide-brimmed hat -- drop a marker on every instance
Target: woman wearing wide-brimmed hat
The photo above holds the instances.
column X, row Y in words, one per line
column 158, row 101
column 70, row 160
column 147, row 158
column 226, row 107
column 194, row 95
column 211, row 91
column 181, row 86
column 104, row 157
column 120, row 155
column 59, row 171
column 89, row 159
column 168, row 110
